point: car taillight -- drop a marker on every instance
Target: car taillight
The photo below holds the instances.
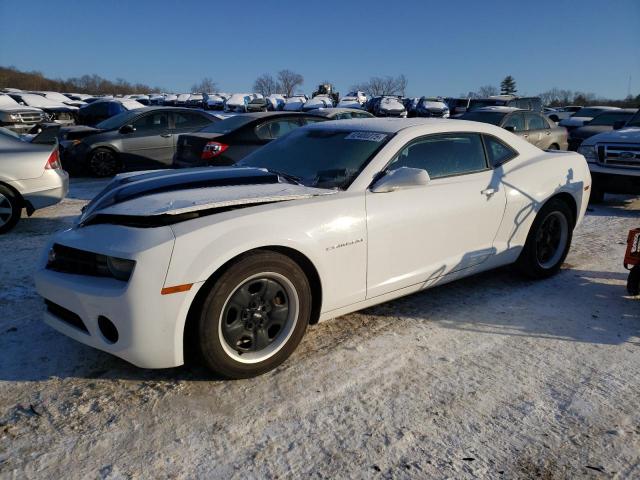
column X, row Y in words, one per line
column 212, row 150
column 53, row 163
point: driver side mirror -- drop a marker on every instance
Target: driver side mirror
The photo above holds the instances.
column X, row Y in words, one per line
column 403, row 177
column 510, row 128
column 125, row 129
column 619, row 124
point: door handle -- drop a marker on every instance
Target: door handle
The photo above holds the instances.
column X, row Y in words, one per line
column 165, row 135
column 488, row 191
column 548, row 133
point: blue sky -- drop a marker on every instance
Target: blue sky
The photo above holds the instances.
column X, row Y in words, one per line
column 443, row 47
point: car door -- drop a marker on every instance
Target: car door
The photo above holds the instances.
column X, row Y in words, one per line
column 539, row 131
column 417, row 235
column 515, row 123
column 150, row 145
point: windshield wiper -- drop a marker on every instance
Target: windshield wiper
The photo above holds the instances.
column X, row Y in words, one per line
column 292, row 178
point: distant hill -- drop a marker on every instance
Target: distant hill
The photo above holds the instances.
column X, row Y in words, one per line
column 93, row 84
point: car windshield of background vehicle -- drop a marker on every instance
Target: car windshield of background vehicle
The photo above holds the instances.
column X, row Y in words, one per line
column 587, row 112
column 228, row 125
column 320, row 158
column 609, row 118
column 494, row 118
column 473, row 104
column 635, row 121
column 117, row 120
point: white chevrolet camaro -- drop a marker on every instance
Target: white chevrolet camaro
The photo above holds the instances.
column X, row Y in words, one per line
column 235, row 262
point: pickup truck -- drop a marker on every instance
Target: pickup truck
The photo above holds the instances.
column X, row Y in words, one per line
column 614, row 160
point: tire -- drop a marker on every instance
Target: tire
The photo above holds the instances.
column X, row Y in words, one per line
column 254, row 316
column 10, row 209
column 554, row 146
column 633, row 281
column 597, row 194
column 548, row 241
column 103, row 163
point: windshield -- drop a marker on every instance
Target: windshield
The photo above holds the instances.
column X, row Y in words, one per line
column 117, row 120
column 494, row 118
column 485, row 102
column 610, row 118
column 588, row 112
column 6, row 100
column 229, row 124
column 635, row 121
column 320, row 158
column 34, row 100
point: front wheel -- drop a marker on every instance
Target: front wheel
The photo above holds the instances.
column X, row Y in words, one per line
column 548, row 241
column 103, row 162
column 254, row 316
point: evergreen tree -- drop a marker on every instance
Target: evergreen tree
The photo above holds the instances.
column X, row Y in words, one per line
column 508, row 86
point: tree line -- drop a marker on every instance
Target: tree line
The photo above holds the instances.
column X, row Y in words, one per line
column 288, row 82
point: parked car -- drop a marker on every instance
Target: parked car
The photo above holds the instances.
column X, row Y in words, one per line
column 19, row 118
column 230, row 140
column 614, row 160
column 78, row 96
column 56, row 111
column 100, row 110
column 238, row 102
column 170, row 100
column 181, row 99
column 386, row 106
column 277, row 101
column 196, row 100
column 294, row 103
column 604, row 122
column 584, row 115
column 431, row 107
column 156, row 99
column 330, row 219
column 341, row 113
column 214, row 101
column 533, row 127
column 133, row 140
column 410, row 104
column 358, row 95
column 258, row 105
column 560, row 113
column 523, row 103
column 31, row 178
column 349, row 102
column 60, row 98
column 457, row 106
column 319, row 101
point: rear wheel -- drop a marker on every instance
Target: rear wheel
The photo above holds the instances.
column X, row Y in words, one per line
column 10, row 209
column 554, row 146
column 103, row 162
column 548, row 241
column 254, row 316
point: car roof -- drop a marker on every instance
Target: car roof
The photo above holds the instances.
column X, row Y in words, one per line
column 325, row 112
column 383, row 125
column 499, row 108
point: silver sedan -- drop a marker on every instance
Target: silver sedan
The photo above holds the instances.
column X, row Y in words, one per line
column 31, row 177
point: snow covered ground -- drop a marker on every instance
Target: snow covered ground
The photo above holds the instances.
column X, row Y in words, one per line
column 489, row 377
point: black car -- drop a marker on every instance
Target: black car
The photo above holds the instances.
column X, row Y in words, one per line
column 386, row 106
column 137, row 139
column 457, row 106
column 226, row 142
column 605, row 122
column 98, row 111
column 431, row 107
column 258, row 105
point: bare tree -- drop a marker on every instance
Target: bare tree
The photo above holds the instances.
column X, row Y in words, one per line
column 487, row 91
column 383, row 86
column 206, row 85
column 289, row 81
column 266, row 85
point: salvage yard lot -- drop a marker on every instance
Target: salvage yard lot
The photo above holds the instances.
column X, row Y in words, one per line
column 492, row 375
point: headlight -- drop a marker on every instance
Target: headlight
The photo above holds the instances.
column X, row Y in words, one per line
column 589, row 152
column 120, row 268
column 14, row 117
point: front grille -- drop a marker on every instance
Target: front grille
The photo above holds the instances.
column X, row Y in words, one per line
column 63, row 116
column 65, row 315
column 619, row 155
column 65, row 259
column 33, row 117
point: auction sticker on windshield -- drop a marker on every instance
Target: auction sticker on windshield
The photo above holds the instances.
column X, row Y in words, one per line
column 367, row 136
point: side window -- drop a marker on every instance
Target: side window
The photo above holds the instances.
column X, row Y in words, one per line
column 189, row 120
column 155, row 122
column 497, row 151
column 309, row 120
column 276, row 128
column 99, row 109
column 443, row 155
column 516, row 121
column 112, row 108
column 536, row 122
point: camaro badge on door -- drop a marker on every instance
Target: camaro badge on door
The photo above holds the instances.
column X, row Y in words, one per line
column 346, row 244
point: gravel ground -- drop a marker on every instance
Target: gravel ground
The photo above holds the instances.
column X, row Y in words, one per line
column 488, row 377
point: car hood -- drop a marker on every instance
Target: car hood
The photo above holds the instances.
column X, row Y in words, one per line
column 157, row 198
column 18, row 109
column 574, row 121
column 624, row 135
column 77, row 132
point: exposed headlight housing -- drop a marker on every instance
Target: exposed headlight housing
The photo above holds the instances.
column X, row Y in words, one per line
column 81, row 262
column 589, row 153
column 120, row 268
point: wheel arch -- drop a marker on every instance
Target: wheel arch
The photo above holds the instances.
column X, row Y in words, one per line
column 301, row 259
column 23, row 202
column 568, row 199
